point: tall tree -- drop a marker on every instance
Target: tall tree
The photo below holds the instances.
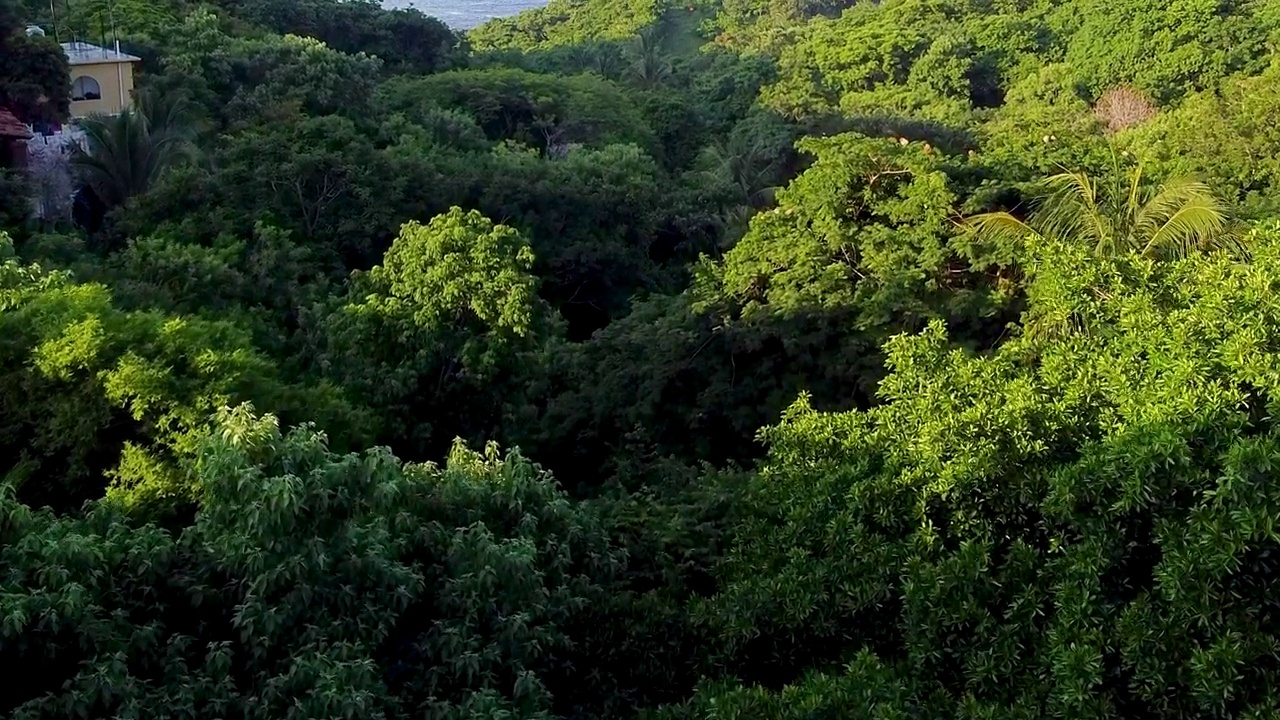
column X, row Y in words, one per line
column 649, row 63
column 35, row 80
column 428, row 337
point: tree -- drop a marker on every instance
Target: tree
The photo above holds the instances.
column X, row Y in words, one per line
column 902, row 62
column 16, row 195
column 1043, row 127
column 263, row 282
column 1164, row 51
column 461, row 265
column 1168, row 220
column 542, row 111
column 865, row 229
column 1230, row 136
column 567, row 22
column 429, row 338
column 243, row 81
column 299, row 71
column 752, row 158
column 649, row 65
column 35, row 80
column 858, row 247
column 310, row 584
column 404, row 39
column 1076, row 525
column 99, row 399
column 591, row 217
column 130, row 18
column 127, row 153
column 314, row 177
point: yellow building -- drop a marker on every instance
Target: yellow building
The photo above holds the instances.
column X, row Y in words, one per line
column 101, row 79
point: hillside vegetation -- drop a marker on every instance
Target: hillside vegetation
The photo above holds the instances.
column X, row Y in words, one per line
column 713, row 360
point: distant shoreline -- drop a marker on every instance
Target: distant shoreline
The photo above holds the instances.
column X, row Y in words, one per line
column 466, row 14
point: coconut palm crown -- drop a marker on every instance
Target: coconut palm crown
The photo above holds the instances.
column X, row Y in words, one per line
column 1165, row 220
column 126, row 153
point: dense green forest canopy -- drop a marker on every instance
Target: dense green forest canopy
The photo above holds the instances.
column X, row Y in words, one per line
column 645, row 359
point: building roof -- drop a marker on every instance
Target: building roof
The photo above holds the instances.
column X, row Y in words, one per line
column 12, row 127
column 83, row 53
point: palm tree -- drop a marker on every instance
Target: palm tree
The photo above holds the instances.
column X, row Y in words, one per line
column 125, row 154
column 733, row 222
column 580, row 57
column 749, row 167
column 649, row 64
column 601, row 58
column 608, row 61
column 746, row 164
column 1163, row 221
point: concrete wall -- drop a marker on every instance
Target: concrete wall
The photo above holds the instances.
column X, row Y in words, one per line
column 49, row 167
column 109, row 75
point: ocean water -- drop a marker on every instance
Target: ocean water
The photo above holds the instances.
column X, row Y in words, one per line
column 464, row 14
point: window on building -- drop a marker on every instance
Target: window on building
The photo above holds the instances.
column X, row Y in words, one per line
column 86, row 88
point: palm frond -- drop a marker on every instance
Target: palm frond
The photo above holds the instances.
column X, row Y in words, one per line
column 1235, row 239
column 1166, row 201
column 127, row 152
column 1133, row 203
column 1125, row 214
column 1195, row 225
column 1072, row 210
column 167, row 115
column 999, row 228
column 766, row 195
column 649, row 64
column 1075, row 183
